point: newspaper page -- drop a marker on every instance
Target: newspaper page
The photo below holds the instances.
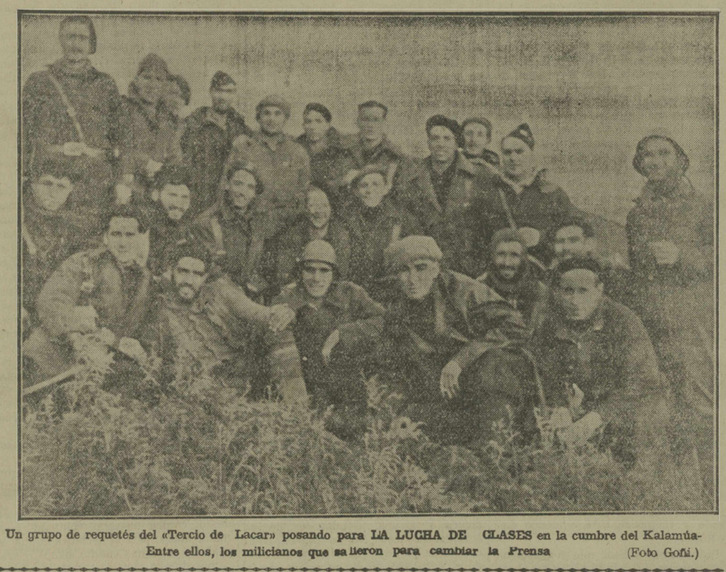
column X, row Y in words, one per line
column 360, row 286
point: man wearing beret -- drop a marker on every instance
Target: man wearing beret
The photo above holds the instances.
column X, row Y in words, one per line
column 449, row 345
column 512, row 276
column 670, row 238
column 476, row 135
column 282, row 163
column 441, row 193
column 73, row 110
column 329, row 160
column 595, row 356
column 522, row 198
column 207, row 140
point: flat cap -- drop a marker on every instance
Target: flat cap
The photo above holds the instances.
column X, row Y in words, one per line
column 412, row 248
column 274, row 100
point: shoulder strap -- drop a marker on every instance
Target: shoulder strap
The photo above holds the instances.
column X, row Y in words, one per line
column 70, row 110
column 507, row 210
column 217, row 234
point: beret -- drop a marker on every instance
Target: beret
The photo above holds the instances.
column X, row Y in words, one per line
column 410, row 249
column 220, row 79
column 153, row 63
column 577, row 263
column 321, row 109
column 523, row 133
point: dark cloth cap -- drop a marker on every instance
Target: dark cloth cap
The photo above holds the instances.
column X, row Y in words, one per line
column 82, row 20
column 481, row 121
column 443, row 121
column 171, row 175
column 57, row 165
column 640, row 149
column 321, row 109
column 221, row 79
column 189, row 249
column 407, row 250
column 274, row 101
column 523, row 133
column 577, row 263
column 507, row 235
column 367, row 170
column 154, row 63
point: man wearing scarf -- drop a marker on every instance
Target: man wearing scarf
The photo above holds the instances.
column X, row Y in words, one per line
column 670, row 239
column 73, row 110
column 511, row 276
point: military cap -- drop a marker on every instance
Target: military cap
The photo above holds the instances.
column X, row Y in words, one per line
column 507, row 235
column 640, row 149
column 221, row 79
column 367, row 170
column 321, row 109
column 577, row 263
column 274, row 100
column 443, row 121
column 79, row 19
column 481, row 121
column 153, row 63
column 412, row 248
column 523, row 133
column 318, row 251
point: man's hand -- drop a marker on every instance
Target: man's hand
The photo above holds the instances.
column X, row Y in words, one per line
column 280, row 317
column 132, row 348
column 85, row 318
column 152, row 167
column 449, row 381
column 330, row 343
column 666, row 252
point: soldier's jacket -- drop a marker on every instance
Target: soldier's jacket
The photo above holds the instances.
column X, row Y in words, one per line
column 468, row 318
column 147, row 133
column 329, row 165
column 48, row 239
column 541, row 205
column 289, row 246
column 613, row 362
column 164, row 235
column 387, row 154
column 676, row 303
column 94, row 97
column 238, row 243
column 345, row 302
column 527, row 294
column 371, row 231
column 284, row 170
column 206, row 146
column 452, row 225
column 122, row 298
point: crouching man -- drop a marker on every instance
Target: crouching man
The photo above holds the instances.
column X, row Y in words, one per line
column 212, row 325
column 595, row 357
column 321, row 303
column 449, row 345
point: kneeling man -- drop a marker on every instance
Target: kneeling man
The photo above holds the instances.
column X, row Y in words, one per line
column 449, row 345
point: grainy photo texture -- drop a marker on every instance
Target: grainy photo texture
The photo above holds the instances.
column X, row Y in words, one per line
column 349, row 264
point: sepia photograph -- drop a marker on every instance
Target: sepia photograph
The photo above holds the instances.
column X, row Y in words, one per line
column 366, row 263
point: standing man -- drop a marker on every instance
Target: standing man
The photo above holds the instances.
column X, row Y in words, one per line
column 442, row 191
column 371, row 146
column 329, row 161
column 282, row 163
column 72, row 109
column 511, row 275
column 207, row 140
column 522, row 198
column 670, row 237
column 103, row 291
column 476, row 135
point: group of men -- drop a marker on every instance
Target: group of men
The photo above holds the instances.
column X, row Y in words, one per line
column 300, row 268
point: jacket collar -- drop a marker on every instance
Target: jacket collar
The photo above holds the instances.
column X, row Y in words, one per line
column 61, row 68
column 653, row 191
column 295, row 297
